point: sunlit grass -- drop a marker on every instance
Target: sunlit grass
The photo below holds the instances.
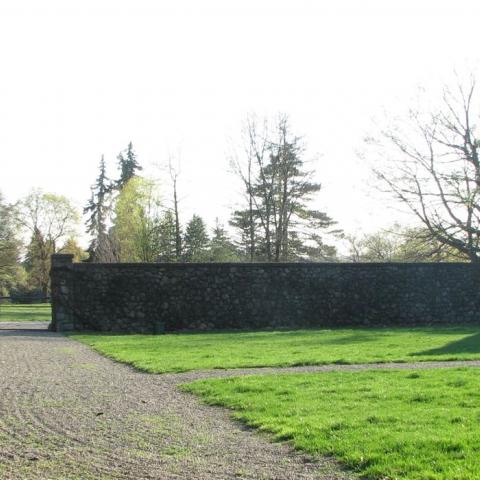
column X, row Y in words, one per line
column 411, row 425
column 183, row 352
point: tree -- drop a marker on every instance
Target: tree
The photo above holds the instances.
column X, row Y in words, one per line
column 433, row 167
column 399, row 244
column 174, row 174
column 221, row 248
column 128, row 166
column 196, row 240
column 10, row 247
column 98, row 210
column 50, row 219
column 71, row 246
column 136, row 226
column 167, row 238
column 280, row 224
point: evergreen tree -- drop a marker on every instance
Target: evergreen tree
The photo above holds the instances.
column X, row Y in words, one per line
column 167, row 240
column 221, row 247
column 196, row 240
column 128, row 165
column 98, row 209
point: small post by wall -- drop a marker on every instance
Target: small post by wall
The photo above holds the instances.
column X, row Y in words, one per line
column 62, row 292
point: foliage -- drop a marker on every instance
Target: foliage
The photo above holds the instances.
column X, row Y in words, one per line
column 399, row 244
column 221, row 248
column 278, row 223
column 71, row 246
column 98, row 209
column 182, row 352
column 196, row 241
column 385, row 424
column 128, row 166
column 10, row 248
column 49, row 219
column 137, row 221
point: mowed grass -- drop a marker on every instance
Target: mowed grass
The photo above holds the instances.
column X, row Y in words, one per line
column 415, row 425
column 25, row 313
column 184, row 352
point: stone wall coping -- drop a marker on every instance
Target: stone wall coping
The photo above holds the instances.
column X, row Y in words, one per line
column 277, row 264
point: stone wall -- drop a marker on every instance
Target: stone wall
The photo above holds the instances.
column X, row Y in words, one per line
column 156, row 297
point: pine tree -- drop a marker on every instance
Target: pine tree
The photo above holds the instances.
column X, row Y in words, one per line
column 128, row 165
column 221, row 247
column 167, row 241
column 98, row 209
column 196, row 240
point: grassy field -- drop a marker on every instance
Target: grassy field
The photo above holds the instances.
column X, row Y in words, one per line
column 411, row 425
column 183, row 352
column 25, row 313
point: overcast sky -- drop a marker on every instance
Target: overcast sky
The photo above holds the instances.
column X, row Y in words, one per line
column 81, row 79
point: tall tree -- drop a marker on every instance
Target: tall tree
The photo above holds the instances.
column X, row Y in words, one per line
column 98, row 209
column 431, row 163
column 174, row 174
column 136, row 226
column 196, row 240
column 167, row 238
column 128, row 166
column 10, row 246
column 279, row 189
column 49, row 219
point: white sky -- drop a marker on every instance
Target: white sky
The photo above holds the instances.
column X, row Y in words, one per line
column 79, row 79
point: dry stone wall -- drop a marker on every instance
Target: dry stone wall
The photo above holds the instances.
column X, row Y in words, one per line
column 152, row 298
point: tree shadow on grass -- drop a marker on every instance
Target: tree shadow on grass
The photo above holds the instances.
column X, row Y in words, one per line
column 470, row 344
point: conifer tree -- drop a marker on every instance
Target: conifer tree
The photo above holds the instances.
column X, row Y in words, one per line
column 98, row 209
column 221, row 247
column 196, row 240
column 167, row 241
column 128, row 165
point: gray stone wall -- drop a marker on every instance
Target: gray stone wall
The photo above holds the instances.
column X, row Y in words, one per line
column 156, row 297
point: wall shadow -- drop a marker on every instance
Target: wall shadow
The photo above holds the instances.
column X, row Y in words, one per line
column 470, row 344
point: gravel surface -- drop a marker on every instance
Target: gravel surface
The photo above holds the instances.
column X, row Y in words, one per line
column 68, row 413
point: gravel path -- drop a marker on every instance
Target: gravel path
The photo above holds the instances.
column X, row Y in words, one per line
column 68, row 413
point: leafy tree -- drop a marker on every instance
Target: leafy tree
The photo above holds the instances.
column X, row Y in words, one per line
column 128, row 166
column 10, row 247
column 196, row 240
column 136, row 226
column 221, row 248
column 50, row 219
column 71, row 246
column 98, row 209
column 278, row 222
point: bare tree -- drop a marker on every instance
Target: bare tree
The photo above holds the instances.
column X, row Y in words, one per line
column 434, row 169
column 174, row 174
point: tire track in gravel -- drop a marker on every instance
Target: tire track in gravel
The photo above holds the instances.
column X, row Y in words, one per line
column 68, row 413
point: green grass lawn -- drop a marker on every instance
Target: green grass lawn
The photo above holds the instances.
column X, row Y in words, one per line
column 25, row 313
column 183, row 352
column 415, row 425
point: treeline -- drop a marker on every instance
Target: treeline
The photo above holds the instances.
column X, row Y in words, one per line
column 130, row 219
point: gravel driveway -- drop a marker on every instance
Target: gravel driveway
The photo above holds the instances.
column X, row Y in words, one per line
column 68, row 413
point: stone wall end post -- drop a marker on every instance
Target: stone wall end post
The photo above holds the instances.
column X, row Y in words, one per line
column 62, row 292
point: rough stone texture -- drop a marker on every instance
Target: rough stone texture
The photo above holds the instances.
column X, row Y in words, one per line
column 151, row 298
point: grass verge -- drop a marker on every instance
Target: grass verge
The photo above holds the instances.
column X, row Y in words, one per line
column 415, row 425
column 25, row 313
column 184, row 352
